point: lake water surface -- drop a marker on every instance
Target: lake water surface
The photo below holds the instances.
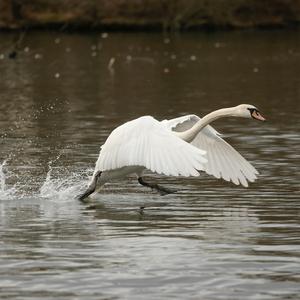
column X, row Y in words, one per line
column 61, row 97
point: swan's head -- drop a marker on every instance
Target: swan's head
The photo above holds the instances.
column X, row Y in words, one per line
column 248, row 111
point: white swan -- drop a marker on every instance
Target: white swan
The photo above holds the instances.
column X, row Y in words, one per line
column 178, row 147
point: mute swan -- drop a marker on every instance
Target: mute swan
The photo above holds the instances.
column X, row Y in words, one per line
column 178, row 147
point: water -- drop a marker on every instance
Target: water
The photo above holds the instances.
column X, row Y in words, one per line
column 62, row 96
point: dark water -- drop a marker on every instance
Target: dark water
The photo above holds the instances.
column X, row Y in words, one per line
column 60, row 98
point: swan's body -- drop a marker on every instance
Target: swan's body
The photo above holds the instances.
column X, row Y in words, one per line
column 178, row 147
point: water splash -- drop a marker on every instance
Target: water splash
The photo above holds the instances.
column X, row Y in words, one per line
column 6, row 192
column 60, row 183
column 2, row 177
column 62, row 187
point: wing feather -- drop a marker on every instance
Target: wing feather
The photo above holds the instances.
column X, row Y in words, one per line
column 147, row 142
column 223, row 160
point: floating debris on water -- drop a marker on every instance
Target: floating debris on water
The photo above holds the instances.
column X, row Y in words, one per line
column 167, row 40
column 104, row 35
column 111, row 64
column 37, row 56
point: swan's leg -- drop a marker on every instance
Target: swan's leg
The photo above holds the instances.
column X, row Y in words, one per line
column 162, row 190
column 91, row 188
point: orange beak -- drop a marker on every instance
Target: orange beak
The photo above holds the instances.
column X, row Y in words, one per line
column 256, row 115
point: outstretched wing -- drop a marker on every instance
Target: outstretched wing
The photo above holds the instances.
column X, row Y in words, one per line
column 147, row 142
column 223, row 160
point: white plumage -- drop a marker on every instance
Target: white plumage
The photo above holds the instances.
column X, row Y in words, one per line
column 178, row 147
column 148, row 143
column 223, row 161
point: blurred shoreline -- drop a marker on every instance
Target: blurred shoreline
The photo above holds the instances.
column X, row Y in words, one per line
column 148, row 14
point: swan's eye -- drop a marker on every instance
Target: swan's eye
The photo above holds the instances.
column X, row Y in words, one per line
column 252, row 110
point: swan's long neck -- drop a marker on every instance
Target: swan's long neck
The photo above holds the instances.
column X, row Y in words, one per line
column 191, row 133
